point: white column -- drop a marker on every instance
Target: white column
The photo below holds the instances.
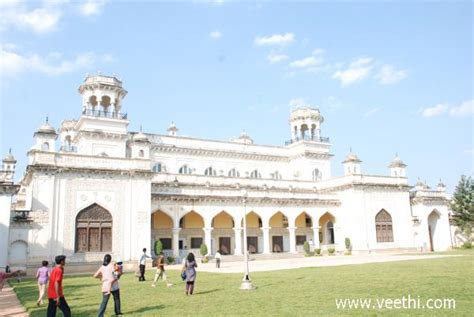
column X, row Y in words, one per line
column 7, row 190
column 176, row 241
column 207, row 239
column 292, row 232
column 238, row 241
column 316, row 237
column 266, row 240
column 339, row 239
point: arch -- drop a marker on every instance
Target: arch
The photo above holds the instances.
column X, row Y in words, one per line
column 304, row 128
column 105, row 102
column 276, row 175
column 185, row 169
column 326, row 223
column 383, row 226
column 141, row 153
column 255, row 174
column 303, row 220
column 18, row 253
column 234, row 173
column 161, row 220
column 433, row 218
column 317, row 175
column 223, row 220
column 278, row 220
column 45, row 146
column 93, row 101
column 157, row 168
column 93, row 229
column 191, row 220
column 210, row 171
column 253, row 220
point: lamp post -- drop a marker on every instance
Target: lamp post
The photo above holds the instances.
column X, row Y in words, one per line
column 246, row 282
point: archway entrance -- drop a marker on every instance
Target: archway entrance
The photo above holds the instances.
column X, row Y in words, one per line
column 162, row 229
column 326, row 222
column 18, row 254
column 94, row 229
column 432, row 223
column 279, row 233
column 304, row 231
column 254, row 233
column 192, row 233
column 222, row 232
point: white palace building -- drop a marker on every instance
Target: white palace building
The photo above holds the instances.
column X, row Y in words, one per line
column 93, row 187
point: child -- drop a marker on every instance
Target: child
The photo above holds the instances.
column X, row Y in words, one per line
column 42, row 275
column 160, row 271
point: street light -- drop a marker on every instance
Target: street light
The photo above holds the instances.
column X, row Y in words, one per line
column 246, row 282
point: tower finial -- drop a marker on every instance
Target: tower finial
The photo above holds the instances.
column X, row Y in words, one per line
column 350, row 149
column 10, row 152
column 396, row 154
column 140, row 128
column 47, row 119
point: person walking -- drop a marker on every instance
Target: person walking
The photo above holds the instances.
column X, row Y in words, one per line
column 218, row 259
column 160, row 271
column 42, row 276
column 106, row 273
column 6, row 275
column 189, row 268
column 118, row 271
column 55, row 289
column 142, row 265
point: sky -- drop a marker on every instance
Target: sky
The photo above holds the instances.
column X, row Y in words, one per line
column 388, row 77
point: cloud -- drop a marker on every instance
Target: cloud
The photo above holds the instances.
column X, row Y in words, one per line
column 389, row 75
column 357, row 71
column 306, row 62
column 437, row 110
column 299, row 103
column 371, row 112
column 40, row 20
column 215, row 35
column 464, row 109
column 13, row 64
column 318, row 51
column 92, row 7
column 276, row 58
column 275, row 39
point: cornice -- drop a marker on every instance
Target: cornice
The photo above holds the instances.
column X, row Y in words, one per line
column 9, row 188
column 397, row 187
column 65, row 170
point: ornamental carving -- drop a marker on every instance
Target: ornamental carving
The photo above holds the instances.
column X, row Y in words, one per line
column 94, row 212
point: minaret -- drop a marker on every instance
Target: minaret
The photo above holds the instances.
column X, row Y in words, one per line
column 305, row 124
column 9, row 163
column 172, row 130
column 45, row 138
column 140, row 146
column 351, row 164
column 397, row 167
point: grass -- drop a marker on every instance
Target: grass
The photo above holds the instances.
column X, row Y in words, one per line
column 308, row 291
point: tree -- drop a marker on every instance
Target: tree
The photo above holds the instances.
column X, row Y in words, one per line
column 158, row 247
column 462, row 205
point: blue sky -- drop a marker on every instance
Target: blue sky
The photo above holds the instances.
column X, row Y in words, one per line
column 388, row 77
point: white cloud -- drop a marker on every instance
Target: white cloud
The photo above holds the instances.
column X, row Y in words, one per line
column 389, row 75
column 40, row 20
column 371, row 112
column 13, row 64
column 318, row 51
column 299, row 103
column 464, row 109
column 358, row 70
column 275, row 39
column 91, row 7
column 276, row 58
column 437, row 110
column 306, row 62
column 215, row 35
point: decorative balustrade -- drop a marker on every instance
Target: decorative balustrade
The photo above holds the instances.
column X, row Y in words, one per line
column 22, row 216
column 308, row 138
column 104, row 114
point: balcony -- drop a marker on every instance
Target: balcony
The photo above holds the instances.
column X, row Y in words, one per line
column 104, row 114
column 68, row 148
column 308, row 138
column 21, row 216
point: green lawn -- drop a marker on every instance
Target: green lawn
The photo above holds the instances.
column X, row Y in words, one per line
column 309, row 291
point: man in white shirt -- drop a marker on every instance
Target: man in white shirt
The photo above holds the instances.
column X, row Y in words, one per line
column 218, row 259
column 142, row 265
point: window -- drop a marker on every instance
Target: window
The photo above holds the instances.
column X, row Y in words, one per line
column 276, row 175
column 300, row 240
column 157, row 168
column 94, row 230
column 210, row 171
column 255, row 174
column 234, row 173
column 196, row 243
column 308, row 221
column 185, row 170
column 284, row 221
column 141, row 153
column 317, row 175
column 166, row 242
column 330, row 233
column 45, row 146
column 383, row 226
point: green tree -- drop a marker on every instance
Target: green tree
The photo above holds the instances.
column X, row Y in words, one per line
column 462, row 205
column 203, row 249
column 158, row 247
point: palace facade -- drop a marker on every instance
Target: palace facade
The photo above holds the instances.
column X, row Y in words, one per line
column 92, row 187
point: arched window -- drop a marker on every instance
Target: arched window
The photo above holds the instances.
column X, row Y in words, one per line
column 276, row 175
column 157, row 168
column 317, row 175
column 234, row 173
column 185, row 170
column 210, row 171
column 45, row 146
column 383, row 227
column 141, row 153
column 94, row 230
column 330, row 232
column 255, row 174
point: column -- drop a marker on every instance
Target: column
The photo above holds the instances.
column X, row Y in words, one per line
column 176, row 241
column 316, row 237
column 238, row 241
column 207, row 239
column 292, row 232
column 266, row 240
column 339, row 239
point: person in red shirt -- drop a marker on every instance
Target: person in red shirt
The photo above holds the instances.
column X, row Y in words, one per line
column 55, row 289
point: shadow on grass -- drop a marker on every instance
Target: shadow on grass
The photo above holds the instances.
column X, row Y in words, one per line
column 144, row 309
column 209, row 291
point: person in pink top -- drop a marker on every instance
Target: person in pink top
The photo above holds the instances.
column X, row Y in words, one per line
column 42, row 275
column 106, row 273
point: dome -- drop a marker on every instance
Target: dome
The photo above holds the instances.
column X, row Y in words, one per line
column 9, row 158
column 46, row 128
column 244, row 138
column 140, row 137
column 397, row 162
column 351, row 157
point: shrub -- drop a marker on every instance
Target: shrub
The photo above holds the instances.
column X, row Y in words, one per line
column 203, row 249
column 467, row 245
column 170, row 260
column 204, row 259
column 347, row 242
column 306, row 247
column 158, row 247
column 331, row 250
column 317, row 251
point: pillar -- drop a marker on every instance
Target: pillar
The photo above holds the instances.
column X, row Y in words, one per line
column 238, row 241
column 176, row 241
column 316, row 237
column 266, row 240
column 207, row 239
column 292, row 232
column 7, row 190
column 339, row 239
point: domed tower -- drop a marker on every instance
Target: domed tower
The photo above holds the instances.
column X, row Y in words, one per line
column 305, row 124
column 9, row 162
column 45, row 138
column 351, row 164
column 397, row 167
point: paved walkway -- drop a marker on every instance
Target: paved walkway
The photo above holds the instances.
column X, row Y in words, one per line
column 9, row 303
column 300, row 262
